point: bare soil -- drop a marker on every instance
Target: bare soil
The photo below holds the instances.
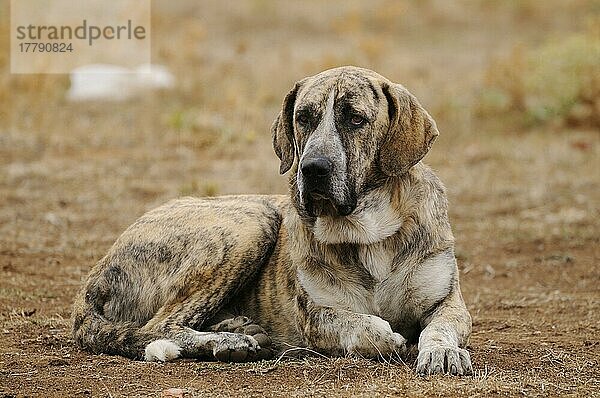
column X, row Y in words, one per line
column 524, row 202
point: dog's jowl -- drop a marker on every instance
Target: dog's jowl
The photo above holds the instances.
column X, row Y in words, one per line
column 357, row 260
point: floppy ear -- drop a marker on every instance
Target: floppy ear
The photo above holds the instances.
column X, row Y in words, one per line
column 282, row 131
column 410, row 135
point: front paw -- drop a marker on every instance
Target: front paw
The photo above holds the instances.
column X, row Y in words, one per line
column 372, row 337
column 443, row 359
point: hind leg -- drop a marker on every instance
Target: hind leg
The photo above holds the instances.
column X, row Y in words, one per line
column 184, row 342
column 231, row 339
column 184, row 333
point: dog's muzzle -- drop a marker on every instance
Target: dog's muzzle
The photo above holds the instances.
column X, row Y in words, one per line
column 318, row 196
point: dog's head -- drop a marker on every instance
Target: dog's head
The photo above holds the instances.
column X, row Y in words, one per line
column 343, row 133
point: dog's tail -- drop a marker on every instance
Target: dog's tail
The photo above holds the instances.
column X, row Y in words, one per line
column 93, row 332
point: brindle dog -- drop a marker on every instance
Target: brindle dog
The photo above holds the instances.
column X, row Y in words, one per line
column 358, row 259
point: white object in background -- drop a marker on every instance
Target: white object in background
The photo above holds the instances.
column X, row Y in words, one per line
column 116, row 83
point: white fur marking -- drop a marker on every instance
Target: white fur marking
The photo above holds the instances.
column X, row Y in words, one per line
column 353, row 298
column 432, row 280
column 377, row 260
column 162, row 350
column 325, row 141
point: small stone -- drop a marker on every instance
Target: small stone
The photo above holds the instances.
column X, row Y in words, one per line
column 174, row 393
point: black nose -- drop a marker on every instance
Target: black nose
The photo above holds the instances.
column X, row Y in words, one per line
column 316, row 167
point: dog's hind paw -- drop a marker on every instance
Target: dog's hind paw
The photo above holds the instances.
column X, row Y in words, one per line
column 259, row 334
column 245, row 326
column 235, row 347
column 162, row 350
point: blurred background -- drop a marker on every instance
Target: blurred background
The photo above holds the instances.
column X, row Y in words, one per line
column 513, row 85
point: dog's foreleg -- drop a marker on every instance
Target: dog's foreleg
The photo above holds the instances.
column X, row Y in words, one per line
column 340, row 332
column 443, row 340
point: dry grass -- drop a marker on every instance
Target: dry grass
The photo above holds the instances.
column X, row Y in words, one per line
column 524, row 203
column 558, row 82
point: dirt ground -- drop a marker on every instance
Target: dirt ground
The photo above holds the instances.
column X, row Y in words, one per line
column 524, row 197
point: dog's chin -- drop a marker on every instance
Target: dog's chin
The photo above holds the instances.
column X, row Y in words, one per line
column 320, row 206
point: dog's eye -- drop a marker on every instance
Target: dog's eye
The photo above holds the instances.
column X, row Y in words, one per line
column 302, row 119
column 357, row 120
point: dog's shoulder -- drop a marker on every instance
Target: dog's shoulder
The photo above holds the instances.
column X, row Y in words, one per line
column 420, row 185
column 421, row 200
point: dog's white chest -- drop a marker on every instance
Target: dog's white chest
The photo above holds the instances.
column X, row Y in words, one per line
column 377, row 260
column 349, row 295
column 396, row 290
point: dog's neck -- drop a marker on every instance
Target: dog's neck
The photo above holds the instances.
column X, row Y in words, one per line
column 374, row 220
column 398, row 207
column 380, row 214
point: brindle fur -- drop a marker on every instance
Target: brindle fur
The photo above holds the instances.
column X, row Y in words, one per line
column 189, row 278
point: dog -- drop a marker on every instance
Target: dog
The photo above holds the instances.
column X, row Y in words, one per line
column 358, row 259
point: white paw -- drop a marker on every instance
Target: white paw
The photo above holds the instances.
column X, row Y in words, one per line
column 373, row 337
column 444, row 359
column 162, row 350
